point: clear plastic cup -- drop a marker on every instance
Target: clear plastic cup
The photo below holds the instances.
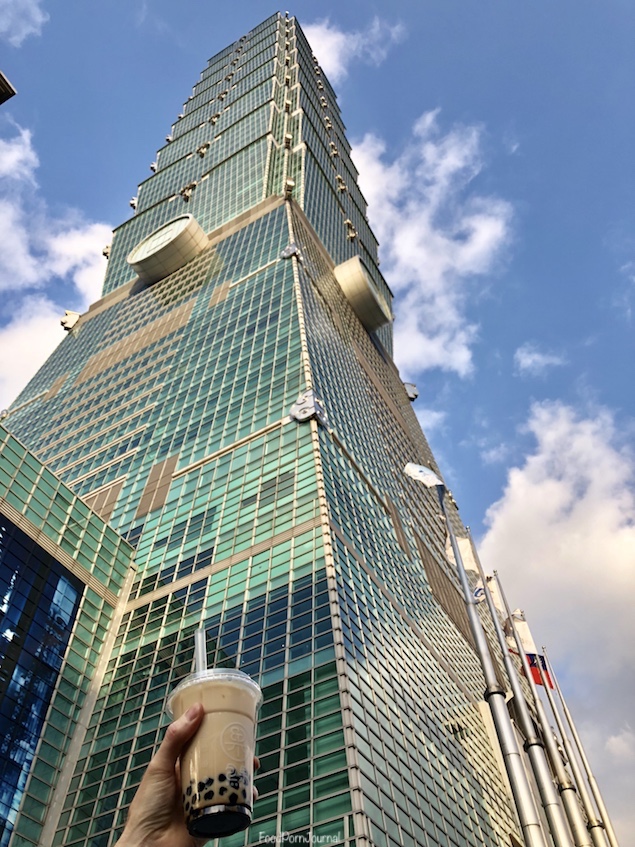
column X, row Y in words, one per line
column 217, row 766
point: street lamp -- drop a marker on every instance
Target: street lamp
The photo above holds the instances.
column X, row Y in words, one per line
column 494, row 694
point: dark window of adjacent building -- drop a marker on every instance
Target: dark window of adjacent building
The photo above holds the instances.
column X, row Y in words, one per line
column 39, row 599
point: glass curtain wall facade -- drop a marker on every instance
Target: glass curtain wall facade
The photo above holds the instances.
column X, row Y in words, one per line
column 62, row 570
column 241, row 423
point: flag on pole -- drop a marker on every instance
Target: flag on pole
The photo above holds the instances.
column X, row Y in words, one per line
column 533, row 659
column 529, row 647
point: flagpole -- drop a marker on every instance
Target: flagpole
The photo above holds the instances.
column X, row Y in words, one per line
column 608, row 827
column 495, row 697
column 594, row 824
column 565, row 786
column 533, row 745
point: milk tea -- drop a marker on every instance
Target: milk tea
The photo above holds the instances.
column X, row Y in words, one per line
column 217, row 765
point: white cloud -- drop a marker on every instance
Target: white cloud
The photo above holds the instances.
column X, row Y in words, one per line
column 21, row 18
column 495, row 455
column 622, row 745
column 512, row 146
column 336, row 49
column 530, row 360
column 483, row 434
column 39, row 253
column 30, row 336
column 18, row 266
column 142, row 13
column 431, row 419
column 440, row 239
column 562, row 537
column 624, row 295
column 146, row 17
column 18, row 159
column 75, row 251
column 628, row 270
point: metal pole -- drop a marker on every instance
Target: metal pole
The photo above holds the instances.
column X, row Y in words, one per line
column 533, row 745
column 557, row 822
column 495, row 697
column 594, row 824
column 610, row 832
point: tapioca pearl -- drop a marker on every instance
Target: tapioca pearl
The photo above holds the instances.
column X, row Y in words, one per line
column 209, row 780
column 221, row 777
column 233, row 799
column 201, row 786
column 222, row 790
column 244, row 794
column 209, row 795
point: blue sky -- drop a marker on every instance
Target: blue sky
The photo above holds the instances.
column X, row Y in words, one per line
column 495, row 146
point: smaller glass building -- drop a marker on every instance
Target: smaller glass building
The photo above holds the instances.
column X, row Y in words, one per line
column 61, row 571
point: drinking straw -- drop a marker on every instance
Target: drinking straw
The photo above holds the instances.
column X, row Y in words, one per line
column 200, row 650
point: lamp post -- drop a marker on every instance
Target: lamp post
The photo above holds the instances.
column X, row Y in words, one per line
column 494, row 694
column 594, row 825
column 565, row 785
column 610, row 832
column 533, row 745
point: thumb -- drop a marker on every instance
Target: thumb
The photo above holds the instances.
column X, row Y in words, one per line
column 176, row 737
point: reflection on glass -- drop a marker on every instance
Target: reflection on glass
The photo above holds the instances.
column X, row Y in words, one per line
column 37, row 612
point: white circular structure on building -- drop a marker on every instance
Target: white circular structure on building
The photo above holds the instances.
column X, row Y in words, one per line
column 168, row 248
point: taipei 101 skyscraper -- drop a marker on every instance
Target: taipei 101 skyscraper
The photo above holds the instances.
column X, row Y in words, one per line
column 230, row 407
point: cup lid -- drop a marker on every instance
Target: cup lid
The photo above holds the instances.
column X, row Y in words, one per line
column 231, row 676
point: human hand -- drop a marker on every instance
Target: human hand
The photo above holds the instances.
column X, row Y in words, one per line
column 155, row 817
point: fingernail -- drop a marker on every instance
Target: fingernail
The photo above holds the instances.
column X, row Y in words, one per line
column 192, row 712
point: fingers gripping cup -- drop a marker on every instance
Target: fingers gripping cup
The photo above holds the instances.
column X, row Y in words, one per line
column 217, row 766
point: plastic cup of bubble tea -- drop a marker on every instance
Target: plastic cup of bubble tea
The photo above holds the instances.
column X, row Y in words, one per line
column 217, row 765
